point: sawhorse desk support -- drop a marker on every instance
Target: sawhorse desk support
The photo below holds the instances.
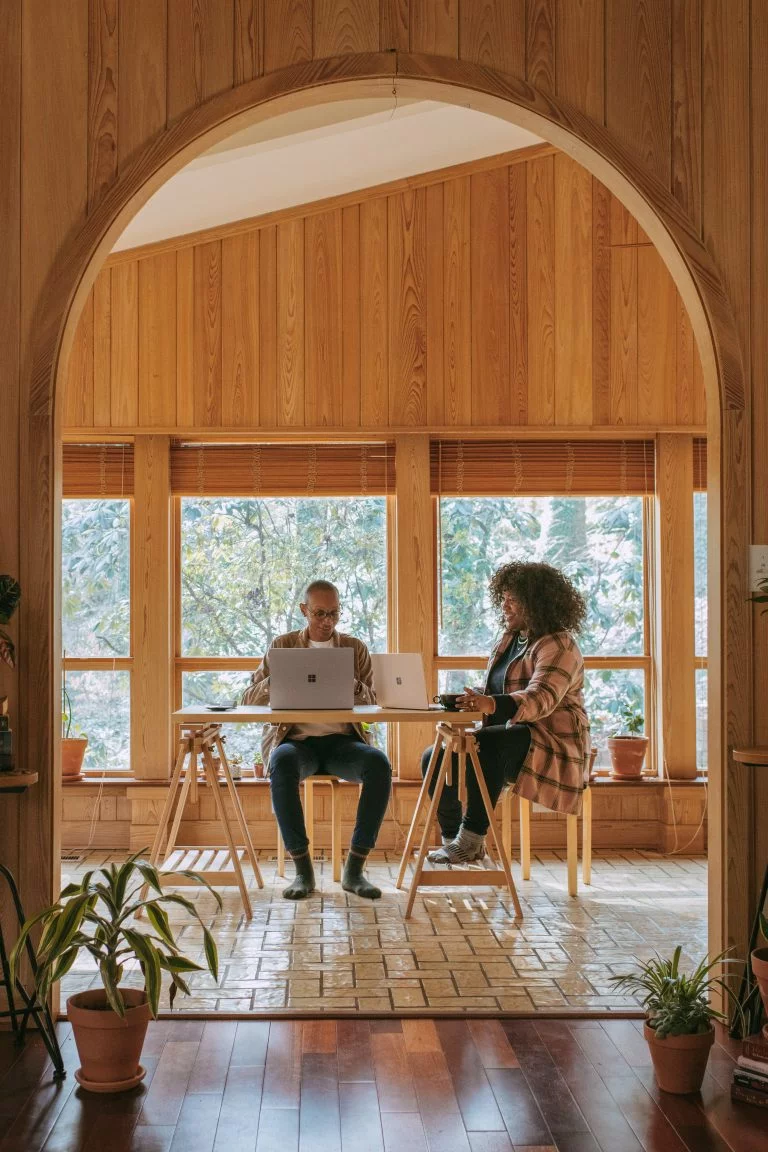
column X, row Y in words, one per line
column 218, row 868
column 453, row 736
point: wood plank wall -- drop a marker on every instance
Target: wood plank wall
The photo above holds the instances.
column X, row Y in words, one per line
column 88, row 84
column 510, row 294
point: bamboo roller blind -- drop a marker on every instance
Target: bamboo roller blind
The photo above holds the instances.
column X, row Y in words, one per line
column 98, row 470
column 542, row 468
column 282, row 469
column 699, row 464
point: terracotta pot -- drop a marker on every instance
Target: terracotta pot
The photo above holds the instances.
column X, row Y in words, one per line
column 109, row 1046
column 759, row 960
column 679, row 1062
column 628, row 755
column 72, row 754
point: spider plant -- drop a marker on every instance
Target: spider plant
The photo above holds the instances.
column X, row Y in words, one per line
column 677, row 1004
column 97, row 915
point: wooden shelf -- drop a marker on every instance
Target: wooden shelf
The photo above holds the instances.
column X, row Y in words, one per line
column 17, row 781
column 757, row 757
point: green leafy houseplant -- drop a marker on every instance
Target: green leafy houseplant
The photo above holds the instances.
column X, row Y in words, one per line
column 628, row 746
column 759, row 963
column 97, row 914
column 679, row 1015
column 10, row 594
column 760, row 595
column 632, row 722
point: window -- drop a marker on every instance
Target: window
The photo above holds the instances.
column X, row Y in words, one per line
column 598, row 541
column 243, row 565
column 700, row 623
column 96, row 627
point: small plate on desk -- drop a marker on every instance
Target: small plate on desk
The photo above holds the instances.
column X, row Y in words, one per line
column 219, row 707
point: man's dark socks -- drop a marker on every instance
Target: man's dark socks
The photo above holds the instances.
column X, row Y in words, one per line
column 303, row 883
column 353, row 879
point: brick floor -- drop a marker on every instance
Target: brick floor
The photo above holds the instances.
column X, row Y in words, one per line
column 460, row 952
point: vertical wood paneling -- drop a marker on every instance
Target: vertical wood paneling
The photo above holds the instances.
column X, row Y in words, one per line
column 492, row 33
column 686, row 106
column 142, row 35
column 407, row 307
column 393, row 25
column 157, row 341
column 78, row 395
column 206, row 367
column 290, row 322
column 581, row 55
column 656, row 339
column 540, row 44
column 200, row 51
column 623, row 336
column 518, row 295
column 457, row 326
column 248, row 40
column 685, row 372
column 151, row 603
column 125, row 345
column 489, row 232
column 435, row 305
column 102, row 97
column 638, row 79
column 102, row 348
column 374, row 303
column 350, row 315
column 323, row 344
column 435, row 27
column 540, row 213
column 185, row 337
column 287, row 33
column 240, row 330
column 268, row 326
column 345, row 26
column 573, row 293
column 601, row 304
column 10, row 320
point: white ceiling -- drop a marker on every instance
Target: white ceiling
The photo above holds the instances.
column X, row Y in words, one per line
column 309, row 155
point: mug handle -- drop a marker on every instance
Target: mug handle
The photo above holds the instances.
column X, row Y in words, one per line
column 436, row 699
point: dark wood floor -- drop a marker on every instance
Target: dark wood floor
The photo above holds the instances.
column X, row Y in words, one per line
column 378, row 1086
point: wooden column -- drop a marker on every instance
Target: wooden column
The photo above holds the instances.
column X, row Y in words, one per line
column 415, row 582
column 676, row 700
column 151, row 694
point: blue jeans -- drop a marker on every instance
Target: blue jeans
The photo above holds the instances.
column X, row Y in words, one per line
column 336, row 755
column 502, row 752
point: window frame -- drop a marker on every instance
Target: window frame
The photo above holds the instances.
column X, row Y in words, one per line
column 112, row 663
column 646, row 662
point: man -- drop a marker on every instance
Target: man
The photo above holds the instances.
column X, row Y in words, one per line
column 292, row 752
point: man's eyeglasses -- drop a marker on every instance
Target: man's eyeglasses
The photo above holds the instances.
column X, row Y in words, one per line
column 321, row 614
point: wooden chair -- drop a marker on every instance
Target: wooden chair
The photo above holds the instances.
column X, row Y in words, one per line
column 571, row 834
column 309, row 819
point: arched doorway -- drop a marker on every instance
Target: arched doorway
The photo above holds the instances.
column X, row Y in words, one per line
column 295, row 88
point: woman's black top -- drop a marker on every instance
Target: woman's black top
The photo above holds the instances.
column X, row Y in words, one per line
column 497, row 678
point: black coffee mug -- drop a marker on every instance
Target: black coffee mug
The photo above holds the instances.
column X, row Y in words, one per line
column 448, row 700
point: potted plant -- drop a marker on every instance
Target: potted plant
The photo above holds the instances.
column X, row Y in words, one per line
column 10, row 594
column 679, row 1017
column 759, row 961
column 73, row 742
column 628, row 746
column 97, row 915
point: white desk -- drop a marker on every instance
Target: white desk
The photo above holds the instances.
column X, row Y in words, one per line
column 195, row 716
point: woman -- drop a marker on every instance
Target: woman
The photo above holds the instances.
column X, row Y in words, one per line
column 535, row 732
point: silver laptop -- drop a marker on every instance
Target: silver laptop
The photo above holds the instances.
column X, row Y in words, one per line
column 312, row 678
column 398, row 680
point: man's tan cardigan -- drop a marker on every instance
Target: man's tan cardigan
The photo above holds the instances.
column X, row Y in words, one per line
column 258, row 691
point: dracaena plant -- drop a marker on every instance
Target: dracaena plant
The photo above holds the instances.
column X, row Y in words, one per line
column 97, row 914
column 677, row 1003
column 10, row 594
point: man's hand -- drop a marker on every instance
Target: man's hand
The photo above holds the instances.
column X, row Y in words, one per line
column 474, row 701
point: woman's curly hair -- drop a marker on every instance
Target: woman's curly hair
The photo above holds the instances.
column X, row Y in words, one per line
column 549, row 600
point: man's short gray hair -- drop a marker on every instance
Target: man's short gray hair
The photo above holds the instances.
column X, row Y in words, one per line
column 318, row 586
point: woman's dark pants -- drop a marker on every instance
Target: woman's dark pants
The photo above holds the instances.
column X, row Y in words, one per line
column 502, row 752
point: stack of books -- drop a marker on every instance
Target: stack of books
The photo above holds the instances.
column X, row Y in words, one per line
column 750, row 1076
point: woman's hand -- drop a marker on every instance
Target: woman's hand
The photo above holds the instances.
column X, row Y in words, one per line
column 474, row 701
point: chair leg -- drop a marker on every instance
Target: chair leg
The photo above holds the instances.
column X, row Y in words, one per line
column 280, row 855
column 506, row 822
column 586, row 836
column 525, row 838
column 336, row 831
column 572, row 839
column 309, row 813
